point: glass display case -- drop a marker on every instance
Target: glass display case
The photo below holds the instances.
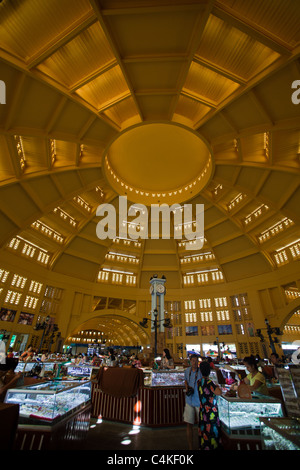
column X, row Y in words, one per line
column 80, row 371
column 167, row 378
column 48, row 401
column 27, row 367
column 236, row 413
column 280, row 434
column 289, row 380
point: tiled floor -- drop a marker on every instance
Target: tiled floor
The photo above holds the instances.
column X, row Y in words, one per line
column 108, row 435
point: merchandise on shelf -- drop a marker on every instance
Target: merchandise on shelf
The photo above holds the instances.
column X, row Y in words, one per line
column 236, row 413
column 163, row 378
column 49, row 401
column 85, row 371
column 280, row 433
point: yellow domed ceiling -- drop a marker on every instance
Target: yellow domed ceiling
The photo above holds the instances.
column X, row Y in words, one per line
column 150, row 92
column 158, row 162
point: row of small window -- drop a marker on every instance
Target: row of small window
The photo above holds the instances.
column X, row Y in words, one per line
column 14, row 298
column 291, row 329
column 127, row 242
column 29, row 250
column 117, row 278
column 207, row 316
column 287, row 254
column 239, row 315
column 20, row 281
column 124, row 258
column 52, row 292
column 48, row 231
column 197, row 258
column 203, row 330
column 245, row 349
column 236, row 301
column 202, row 278
column 280, row 226
column 49, row 307
column 205, row 303
column 173, row 306
column 210, row 330
column 292, row 293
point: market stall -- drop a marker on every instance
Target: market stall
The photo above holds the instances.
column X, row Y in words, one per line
column 240, row 419
column 283, row 433
column 52, row 414
column 149, row 398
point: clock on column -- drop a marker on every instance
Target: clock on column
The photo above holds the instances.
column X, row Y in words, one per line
column 158, row 291
column 160, row 288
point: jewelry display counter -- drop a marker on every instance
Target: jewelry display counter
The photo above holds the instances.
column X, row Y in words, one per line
column 52, row 415
column 77, row 372
column 164, row 378
column 240, row 419
column 280, row 433
column 27, row 367
column 283, row 433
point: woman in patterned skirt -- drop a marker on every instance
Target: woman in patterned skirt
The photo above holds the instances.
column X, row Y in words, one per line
column 209, row 423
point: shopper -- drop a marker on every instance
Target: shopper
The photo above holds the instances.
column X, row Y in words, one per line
column 275, row 359
column 135, row 362
column 111, row 361
column 209, row 423
column 10, row 353
column 44, row 357
column 27, row 355
column 167, row 361
column 255, row 379
column 191, row 410
column 9, row 378
column 211, row 362
column 79, row 359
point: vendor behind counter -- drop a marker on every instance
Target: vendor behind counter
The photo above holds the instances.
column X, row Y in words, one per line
column 255, row 380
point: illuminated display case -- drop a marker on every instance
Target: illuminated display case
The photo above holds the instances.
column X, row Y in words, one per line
column 280, row 433
column 237, row 413
column 163, row 378
column 28, row 366
column 49, row 401
column 81, row 371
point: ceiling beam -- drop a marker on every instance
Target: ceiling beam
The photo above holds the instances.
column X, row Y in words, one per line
column 95, row 74
column 111, row 42
column 66, row 36
column 196, row 36
column 251, row 29
column 219, row 70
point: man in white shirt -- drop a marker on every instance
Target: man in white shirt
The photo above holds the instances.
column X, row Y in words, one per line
column 192, row 403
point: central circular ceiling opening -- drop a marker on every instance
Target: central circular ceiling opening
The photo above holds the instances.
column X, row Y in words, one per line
column 158, row 162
